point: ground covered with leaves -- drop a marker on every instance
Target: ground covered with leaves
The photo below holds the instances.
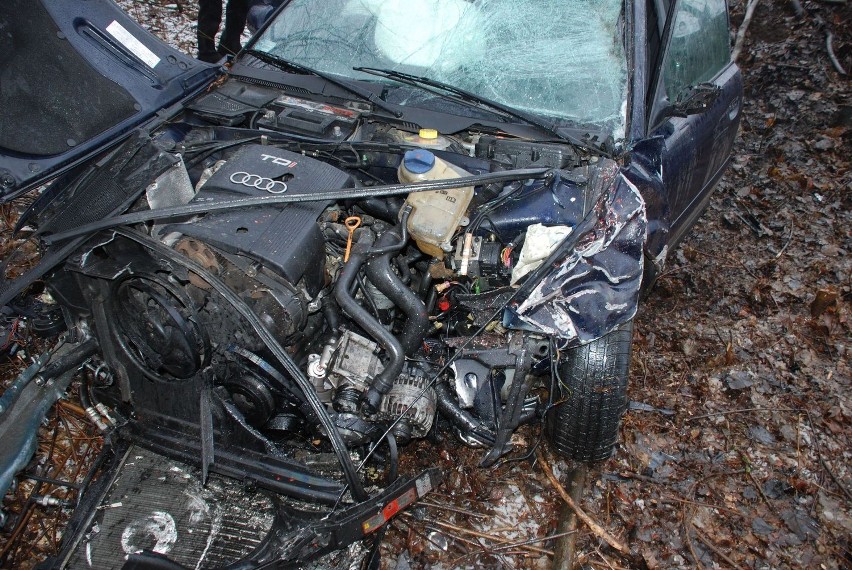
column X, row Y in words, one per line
column 736, row 450
column 746, row 336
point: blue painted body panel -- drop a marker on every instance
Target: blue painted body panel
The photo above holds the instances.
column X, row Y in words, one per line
column 84, row 26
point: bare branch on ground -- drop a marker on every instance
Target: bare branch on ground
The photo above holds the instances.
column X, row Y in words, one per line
column 738, row 45
column 597, row 529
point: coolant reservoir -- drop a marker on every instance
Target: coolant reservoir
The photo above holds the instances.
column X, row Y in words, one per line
column 438, row 213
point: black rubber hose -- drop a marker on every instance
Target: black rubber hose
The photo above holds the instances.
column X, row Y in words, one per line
column 460, row 418
column 425, row 286
column 381, row 275
column 84, row 392
column 90, row 404
column 393, row 459
column 404, row 271
column 362, row 285
column 431, row 300
column 331, row 312
column 396, row 357
column 73, row 359
column 395, row 246
column 384, row 209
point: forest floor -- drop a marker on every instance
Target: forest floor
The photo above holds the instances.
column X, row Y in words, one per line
column 736, row 450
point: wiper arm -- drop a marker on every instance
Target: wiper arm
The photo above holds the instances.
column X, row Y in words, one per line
column 469, row 97
column 286, row 65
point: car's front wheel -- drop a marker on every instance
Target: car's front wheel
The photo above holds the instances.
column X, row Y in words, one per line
column 591, row 397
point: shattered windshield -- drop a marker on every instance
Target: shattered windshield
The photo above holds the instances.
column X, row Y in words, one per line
column 549, row 57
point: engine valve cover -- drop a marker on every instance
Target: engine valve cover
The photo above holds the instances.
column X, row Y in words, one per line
column 261, row 170
column 285, row 238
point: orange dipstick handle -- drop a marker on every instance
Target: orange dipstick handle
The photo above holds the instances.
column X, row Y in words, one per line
column 352, row 223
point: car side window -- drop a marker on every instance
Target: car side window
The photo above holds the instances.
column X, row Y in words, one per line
column 699, row 47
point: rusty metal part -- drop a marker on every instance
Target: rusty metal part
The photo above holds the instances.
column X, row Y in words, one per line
column 201, row 254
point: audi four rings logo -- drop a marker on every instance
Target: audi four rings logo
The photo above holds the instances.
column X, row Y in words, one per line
column 259, row 182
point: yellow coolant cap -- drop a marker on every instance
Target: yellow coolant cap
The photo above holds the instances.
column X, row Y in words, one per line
column 428, row 134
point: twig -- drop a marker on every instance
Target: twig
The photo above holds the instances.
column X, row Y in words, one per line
column 792, row 66
column 607, row 562
column 671, row 271
column 590, row 522
column 728, row 258
column 760, row 490
column 498, row 539
column 834, row 478
column 688, row 518
column 715, row 548
column 639, row 477
column 454, row 510
column 829, row 39
column 783, row 249
column 678, row 500
column 740, row 411
column 533, row 541
column 747, row 465
column 477, row 545
column 822, row 462
column 73, row 408
column 687, row 537
column 738, row 45
column 608, row 565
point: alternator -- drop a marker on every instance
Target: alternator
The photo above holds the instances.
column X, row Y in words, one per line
column 419, row 412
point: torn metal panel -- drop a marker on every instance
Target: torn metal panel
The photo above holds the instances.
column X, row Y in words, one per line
column 645, row 170
column 595, row 287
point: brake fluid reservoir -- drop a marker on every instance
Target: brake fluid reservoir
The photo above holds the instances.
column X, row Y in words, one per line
column 437, row 213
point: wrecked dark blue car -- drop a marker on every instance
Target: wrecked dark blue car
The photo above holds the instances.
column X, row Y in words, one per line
column 383, row 219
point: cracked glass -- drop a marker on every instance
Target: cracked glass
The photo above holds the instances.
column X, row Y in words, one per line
column 554, row 58
column 699, row 45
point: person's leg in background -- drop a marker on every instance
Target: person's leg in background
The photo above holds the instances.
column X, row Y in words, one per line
column 209, row 18
column 235, row 23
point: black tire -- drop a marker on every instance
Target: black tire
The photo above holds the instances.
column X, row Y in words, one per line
column 592, row 397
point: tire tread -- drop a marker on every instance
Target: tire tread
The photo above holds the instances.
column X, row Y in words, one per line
column 584, row 426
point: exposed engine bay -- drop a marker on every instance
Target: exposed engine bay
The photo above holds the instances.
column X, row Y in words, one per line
column 270, row 298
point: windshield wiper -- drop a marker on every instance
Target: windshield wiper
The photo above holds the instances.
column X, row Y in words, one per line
column 286, row 65
column 466, row 96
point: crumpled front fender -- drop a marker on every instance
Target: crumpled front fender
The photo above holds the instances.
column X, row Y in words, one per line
column 593, row 287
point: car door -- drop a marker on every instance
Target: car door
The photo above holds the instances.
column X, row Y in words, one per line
column 74, row 77
column 696, row 147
